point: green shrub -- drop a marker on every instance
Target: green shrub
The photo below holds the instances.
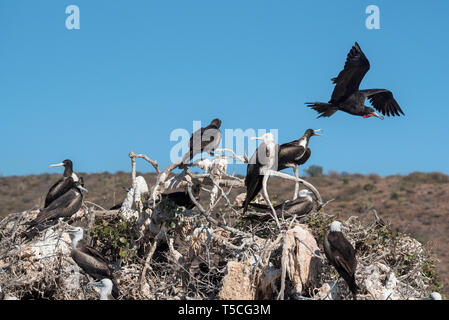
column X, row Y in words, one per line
column 115, row 237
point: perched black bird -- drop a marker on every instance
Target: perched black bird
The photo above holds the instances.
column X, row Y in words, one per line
column 297, row 152
column 205, row 139
column 63, row 207
column 265, row 157
column 90, row 260
column 299, row 207
column 182, row 198
column 289, row 155
column 341, row 254
column 348, row 98
column 63, row 184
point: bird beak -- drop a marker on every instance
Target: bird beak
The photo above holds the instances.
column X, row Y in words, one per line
column 317, row 134
column 256, row 138
column 375, row 114
column 83, row 189
column 95, row 283
column 56, row 165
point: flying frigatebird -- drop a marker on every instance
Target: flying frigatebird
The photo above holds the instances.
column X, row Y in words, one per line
column 341, row 254
column 62, row 185
column 105, row 286
column 348, row 98
column 63, row 207
column 205, row 139
column 90, row 260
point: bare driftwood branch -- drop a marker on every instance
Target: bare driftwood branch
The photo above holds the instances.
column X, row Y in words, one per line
column 154, row 163
column 212, row 220
column 305, row 183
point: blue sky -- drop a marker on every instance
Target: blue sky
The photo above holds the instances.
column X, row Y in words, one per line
column 136, row 70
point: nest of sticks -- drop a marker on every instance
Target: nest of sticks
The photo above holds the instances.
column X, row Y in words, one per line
column 168, row 252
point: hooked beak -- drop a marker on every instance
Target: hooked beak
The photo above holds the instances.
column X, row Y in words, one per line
column 95, row 283
column 83, row 189
column 56, row 165
column 315, row 132
column 374, row 114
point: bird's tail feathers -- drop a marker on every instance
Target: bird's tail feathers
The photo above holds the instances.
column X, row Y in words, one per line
column 324, row 109
column 115, row 290
column 353, row 287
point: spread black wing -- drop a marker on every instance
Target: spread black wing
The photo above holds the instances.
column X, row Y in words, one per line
column 383, row 101
column 348, row 80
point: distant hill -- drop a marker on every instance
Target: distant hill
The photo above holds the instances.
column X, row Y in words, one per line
column 417, row 203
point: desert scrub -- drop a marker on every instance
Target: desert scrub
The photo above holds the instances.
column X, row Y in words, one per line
column 174, row 215
column 115, row 237
column 318, row 223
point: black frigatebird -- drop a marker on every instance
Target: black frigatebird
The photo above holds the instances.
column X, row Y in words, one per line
column 205, row 139
column 348, row 98
column 299, row 207
column 63, row 207
column 182, row 198
column 290, row 155
column 258, row 170
column 341, row 254
column 62, row 185
column 295, row 153
column 90, row 260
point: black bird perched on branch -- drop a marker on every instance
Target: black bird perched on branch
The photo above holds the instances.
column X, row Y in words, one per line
column 289, row 155
column 63, row 184
column 182, row 198
column 299, row 207
column 259, row 160
column 90, row 260
column 341, row 254
column 348, row 98
column 205, row 139
column 63, row 207
column 262, row 164
column 295, row 153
